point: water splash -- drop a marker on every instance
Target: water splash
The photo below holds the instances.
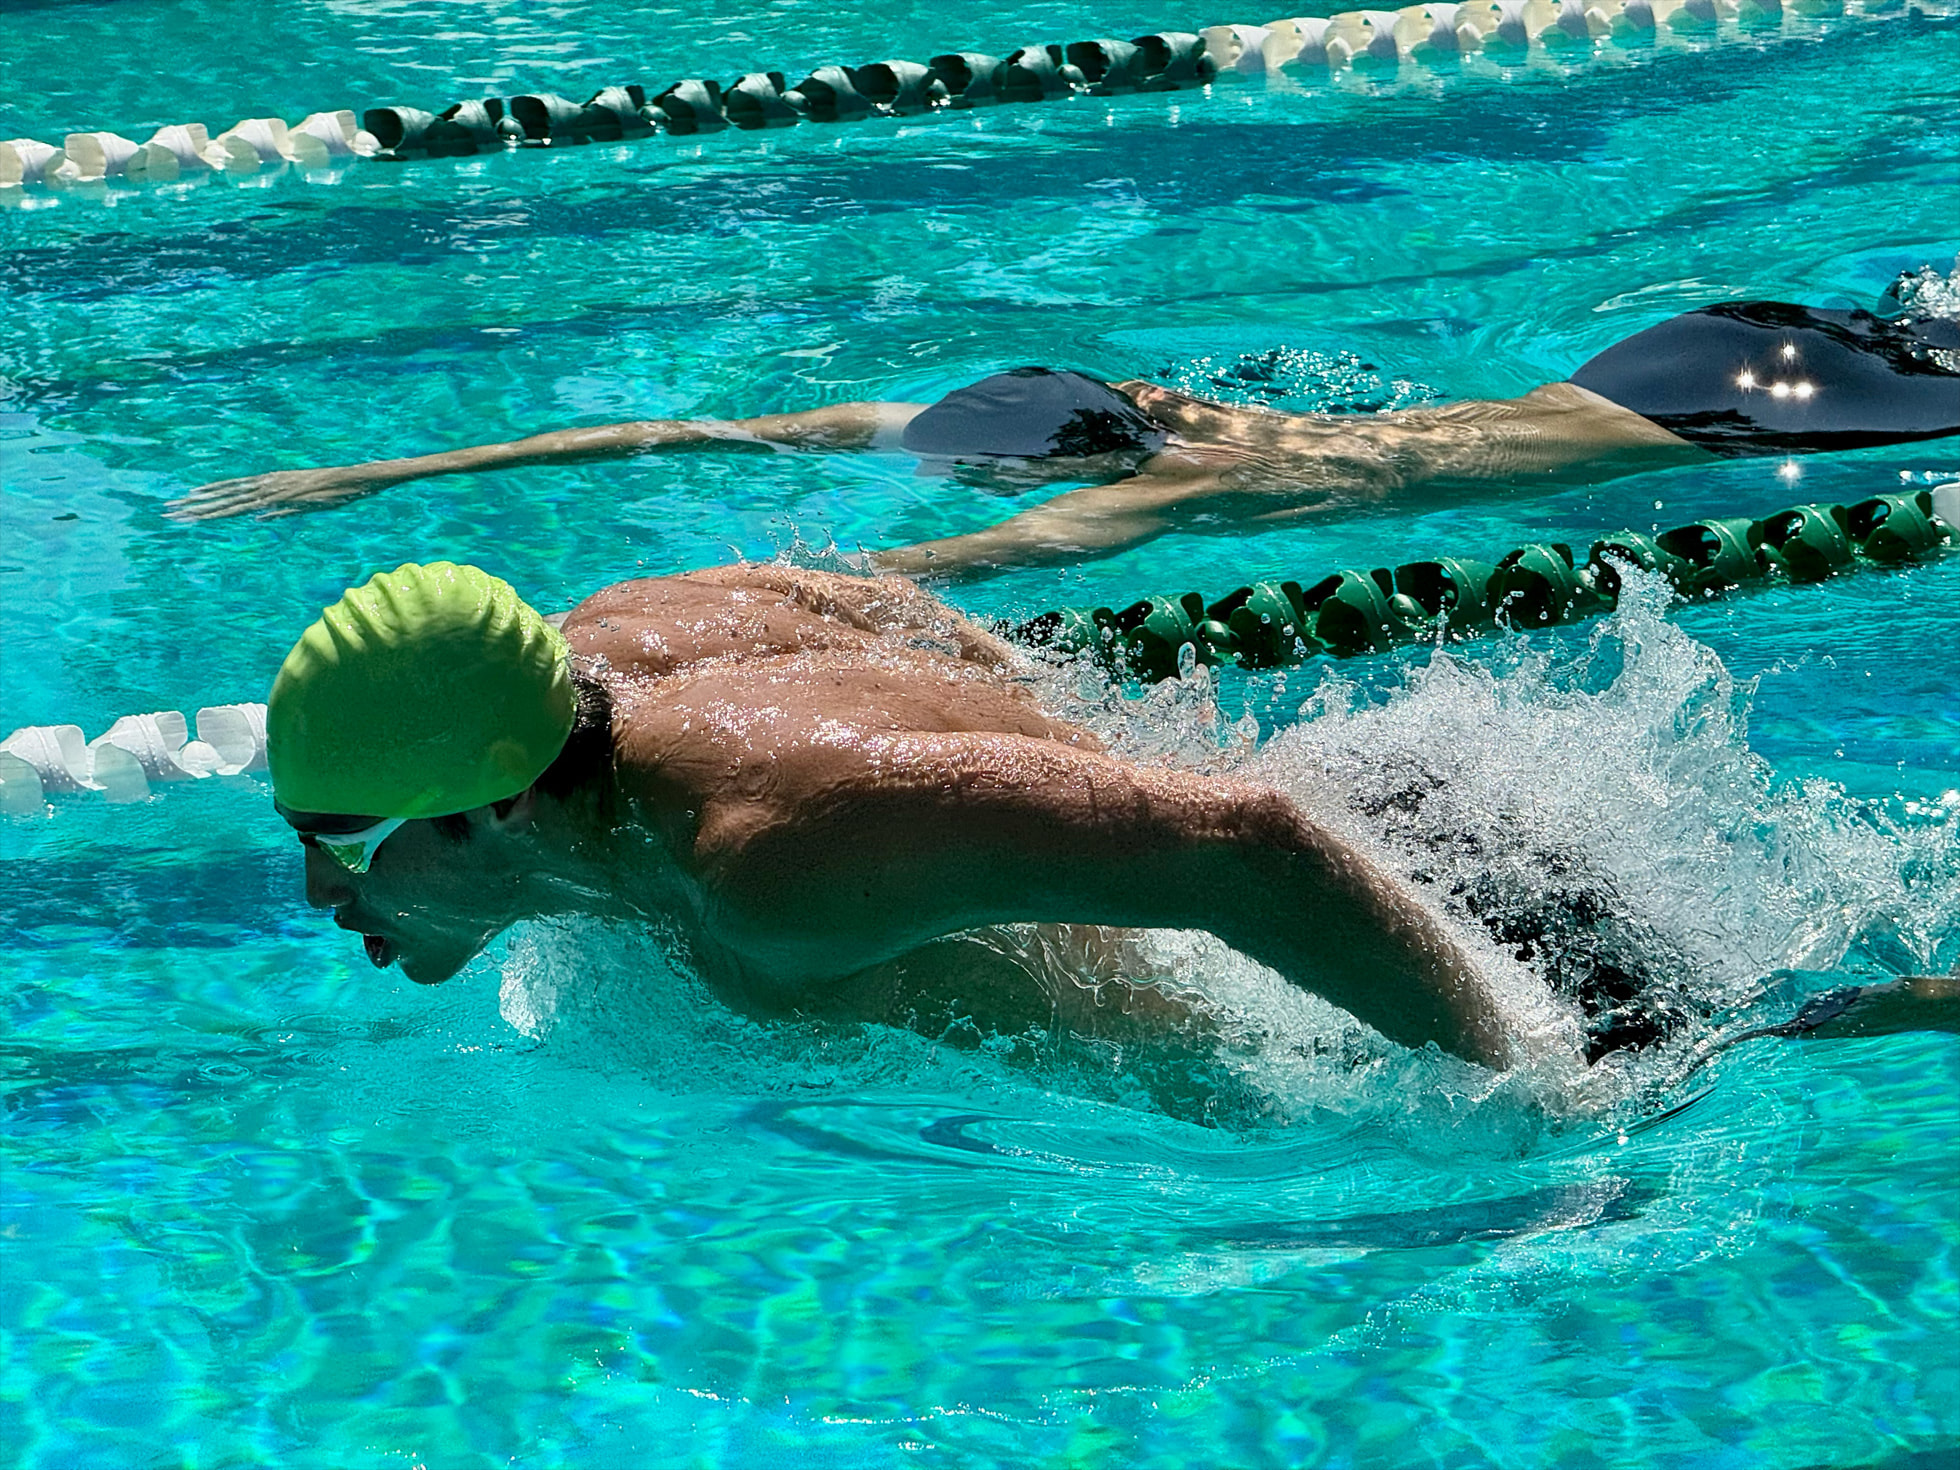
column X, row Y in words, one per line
column 1593, row 825
column 1597, row 824
column 1930, row 292
column 1298, row 380
column 1619, row 785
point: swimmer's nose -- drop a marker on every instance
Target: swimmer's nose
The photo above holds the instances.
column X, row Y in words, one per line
column 328, row 884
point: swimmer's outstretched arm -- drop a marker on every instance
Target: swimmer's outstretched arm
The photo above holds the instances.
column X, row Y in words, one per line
column 860, row 855
column 289, row 492
column 1078, row 525
column 1888, row 1008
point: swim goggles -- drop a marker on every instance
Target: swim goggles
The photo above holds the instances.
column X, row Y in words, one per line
column 349, row 841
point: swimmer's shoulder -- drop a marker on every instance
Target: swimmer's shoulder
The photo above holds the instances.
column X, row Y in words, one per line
column 650, row 627
column 655, row 626
column 872, row 605
column 688, row 594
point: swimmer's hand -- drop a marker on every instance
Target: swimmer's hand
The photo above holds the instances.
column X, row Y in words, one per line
column 1913, row 1003
column 279, row 493
column 1888, row 1008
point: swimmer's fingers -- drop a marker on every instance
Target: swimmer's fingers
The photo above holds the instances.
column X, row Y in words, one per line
column 282, row 492
column 232, row 497
column 296, row 503
column 307, row 489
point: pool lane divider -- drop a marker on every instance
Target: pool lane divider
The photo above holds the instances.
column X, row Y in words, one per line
column 181, row 150
column 1449, row 599
column 136, row 752
column 1488, row 37
column 1270, row 624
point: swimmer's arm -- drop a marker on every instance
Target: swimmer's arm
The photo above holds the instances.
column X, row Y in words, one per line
column 862, row 855
column 289, row 492
column 1009, row 981
column 1910, row 1003
column 1079, row 525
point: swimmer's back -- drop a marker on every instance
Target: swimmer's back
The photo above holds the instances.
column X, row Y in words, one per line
column 655, row 626
column 748, row 698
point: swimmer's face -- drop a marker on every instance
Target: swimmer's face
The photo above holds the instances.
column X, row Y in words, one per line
column 426, row 902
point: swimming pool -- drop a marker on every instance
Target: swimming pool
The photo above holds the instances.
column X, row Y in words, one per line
column 266, row 1206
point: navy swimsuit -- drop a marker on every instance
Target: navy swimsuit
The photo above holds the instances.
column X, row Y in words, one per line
column 1763, row 377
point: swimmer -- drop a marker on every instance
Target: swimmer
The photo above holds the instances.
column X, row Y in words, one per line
column 814, row 785
column 805, row 781
column 1756, row 378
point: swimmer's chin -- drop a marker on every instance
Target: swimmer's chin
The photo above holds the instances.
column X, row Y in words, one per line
column 422, row 969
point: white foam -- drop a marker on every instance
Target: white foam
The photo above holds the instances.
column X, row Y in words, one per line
column 1933, row 292
column 1628, row 769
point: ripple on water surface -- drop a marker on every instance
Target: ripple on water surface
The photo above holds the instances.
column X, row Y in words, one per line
column 266, row 1206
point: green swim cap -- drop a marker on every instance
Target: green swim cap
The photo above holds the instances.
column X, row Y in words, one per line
column 428, row 691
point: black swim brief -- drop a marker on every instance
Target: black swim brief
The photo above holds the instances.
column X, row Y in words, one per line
column 1764, row 377
column 1033, row 413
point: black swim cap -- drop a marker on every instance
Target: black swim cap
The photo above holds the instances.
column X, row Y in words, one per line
column 1033, row 413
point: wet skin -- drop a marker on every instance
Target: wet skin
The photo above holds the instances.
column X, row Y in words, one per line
column 1227, row 467
column 421, row 907
column 1224, row 467
column 818, row 779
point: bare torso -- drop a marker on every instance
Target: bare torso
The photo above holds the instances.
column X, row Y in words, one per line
column 1547, row 433
column 829, row 776
column 1229, row 465
column 745, row 696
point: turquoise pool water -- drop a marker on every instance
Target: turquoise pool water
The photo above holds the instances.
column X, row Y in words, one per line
column 266, row 1206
